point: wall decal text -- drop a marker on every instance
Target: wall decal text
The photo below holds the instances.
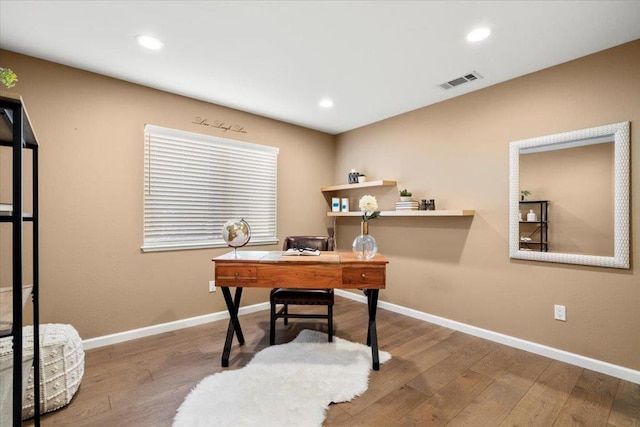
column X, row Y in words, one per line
column 219, row 125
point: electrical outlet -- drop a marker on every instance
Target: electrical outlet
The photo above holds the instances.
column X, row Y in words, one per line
column 560, row 312
column 212, row 285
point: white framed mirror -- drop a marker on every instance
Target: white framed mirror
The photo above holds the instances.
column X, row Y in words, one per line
column 576, row 207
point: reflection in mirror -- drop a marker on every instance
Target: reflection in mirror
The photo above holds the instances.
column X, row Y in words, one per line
column 578, row 183
column 577, row 207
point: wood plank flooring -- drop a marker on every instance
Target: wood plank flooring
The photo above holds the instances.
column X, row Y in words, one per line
column 436, row 377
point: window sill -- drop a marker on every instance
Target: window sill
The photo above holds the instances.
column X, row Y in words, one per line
column 202, row 245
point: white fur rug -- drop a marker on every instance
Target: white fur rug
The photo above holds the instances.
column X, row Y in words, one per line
column 284, row 385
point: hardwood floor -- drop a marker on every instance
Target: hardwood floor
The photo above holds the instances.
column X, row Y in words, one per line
column 436, row 377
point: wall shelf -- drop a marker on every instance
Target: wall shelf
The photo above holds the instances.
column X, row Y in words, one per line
column 403, row 213
column 534, row 235
column 436, row 213
column 330, row 189
column 380, row 183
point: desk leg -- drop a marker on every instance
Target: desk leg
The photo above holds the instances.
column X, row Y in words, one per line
column 372, row 335
column 234, row 323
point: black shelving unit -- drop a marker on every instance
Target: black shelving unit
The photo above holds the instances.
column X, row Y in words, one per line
column 16, row 132
column 534, row 235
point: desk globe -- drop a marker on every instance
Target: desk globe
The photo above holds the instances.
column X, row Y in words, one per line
column 236, row 233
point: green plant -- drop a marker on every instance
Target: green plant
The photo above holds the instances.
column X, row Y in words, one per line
column 405, row 193
column 8, row 77
column 524, row 193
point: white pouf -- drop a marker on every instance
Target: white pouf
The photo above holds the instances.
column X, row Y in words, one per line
column 61, row 366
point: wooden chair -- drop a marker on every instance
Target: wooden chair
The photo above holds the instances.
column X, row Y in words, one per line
column 287, row 297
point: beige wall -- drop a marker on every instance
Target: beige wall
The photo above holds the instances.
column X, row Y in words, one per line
column 578, row 183
column 94, row 276
column 457, row 152
column 90, row 130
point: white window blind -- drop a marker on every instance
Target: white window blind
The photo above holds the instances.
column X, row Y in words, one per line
column 195, row 183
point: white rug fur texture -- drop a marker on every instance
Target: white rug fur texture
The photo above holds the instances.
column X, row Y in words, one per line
column 284, row 385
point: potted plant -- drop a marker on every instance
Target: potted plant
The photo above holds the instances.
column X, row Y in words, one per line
column 524, row 193
column 405, row 195
column 8, row 77
column 362, row 178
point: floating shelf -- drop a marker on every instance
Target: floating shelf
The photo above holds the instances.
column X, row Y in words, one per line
column 381, row 183
column 443, row 212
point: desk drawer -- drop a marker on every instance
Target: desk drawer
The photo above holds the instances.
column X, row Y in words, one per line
column 371, row 276
column 297, row 275
column 233, row 275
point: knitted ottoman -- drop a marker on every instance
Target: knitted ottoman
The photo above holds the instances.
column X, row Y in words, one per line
column 61, row 367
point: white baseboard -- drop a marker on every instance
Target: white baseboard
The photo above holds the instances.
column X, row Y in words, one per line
column 167, row 327
column 543, row 350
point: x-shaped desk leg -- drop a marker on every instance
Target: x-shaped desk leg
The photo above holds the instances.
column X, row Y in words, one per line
column 234, row 323
column 372, row 335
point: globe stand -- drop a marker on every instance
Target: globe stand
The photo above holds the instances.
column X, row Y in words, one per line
column 235, row 249
column 235, row 252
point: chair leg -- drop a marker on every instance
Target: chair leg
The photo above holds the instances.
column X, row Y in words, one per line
column 330, row 313
column 285, row 312
column 272, row 330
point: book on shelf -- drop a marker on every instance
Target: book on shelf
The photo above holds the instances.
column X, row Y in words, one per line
column 408, row 206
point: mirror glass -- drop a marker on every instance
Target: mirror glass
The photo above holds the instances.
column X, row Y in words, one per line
column 569, row 197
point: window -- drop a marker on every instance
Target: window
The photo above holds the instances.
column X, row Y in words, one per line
column 195, row 183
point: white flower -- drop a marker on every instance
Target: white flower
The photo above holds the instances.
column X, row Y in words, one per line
column 369, row 207
column 368, row 204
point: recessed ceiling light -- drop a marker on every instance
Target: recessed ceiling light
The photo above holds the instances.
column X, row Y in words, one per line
column 326, row 103
column 478, row 34
column 149, row 42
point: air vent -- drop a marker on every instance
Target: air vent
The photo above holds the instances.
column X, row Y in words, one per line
column 460, row 80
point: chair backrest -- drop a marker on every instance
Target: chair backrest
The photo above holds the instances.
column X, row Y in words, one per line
column 315, row 242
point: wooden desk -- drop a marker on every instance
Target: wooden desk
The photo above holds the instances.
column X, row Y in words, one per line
column 269, row 269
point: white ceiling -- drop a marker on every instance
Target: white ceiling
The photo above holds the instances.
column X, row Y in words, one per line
column 375, row 59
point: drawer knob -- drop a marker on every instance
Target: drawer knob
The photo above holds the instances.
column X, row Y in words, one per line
column 364, row 276
column 235, row 274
